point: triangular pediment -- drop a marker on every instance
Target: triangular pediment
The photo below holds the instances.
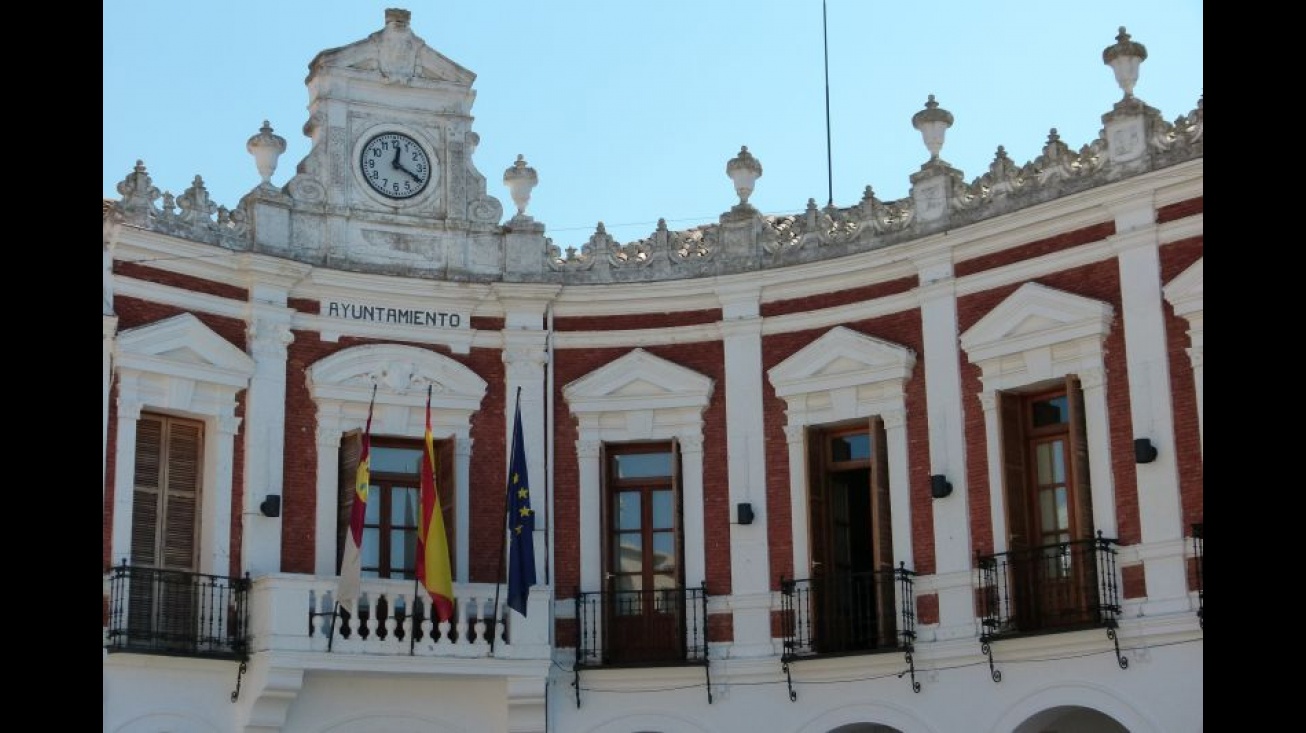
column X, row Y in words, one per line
column 1184, row 292
column 1036, row 316
column 403, row 374
column 182, row 344
column 841, row 358
column 395, row 54
column 638, row 380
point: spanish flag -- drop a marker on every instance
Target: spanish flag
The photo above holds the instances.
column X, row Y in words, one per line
column 432, row 543
column 351, row 569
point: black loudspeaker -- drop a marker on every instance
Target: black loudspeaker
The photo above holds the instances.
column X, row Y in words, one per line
column 940, row 486
column 1144, row 451
column 745, row 512
column 271, row 506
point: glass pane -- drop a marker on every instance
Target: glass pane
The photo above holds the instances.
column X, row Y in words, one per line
column 664, row 552
column 1063, row 509
column 400, row 547
column 371, row 546
column 629, row 552
column 640, row 465
column 373, row 513
column 1052, row 411
column 629, row 600
column 1047, row 510
column 662, row 514
column 388, row 459
column 851, row 447
column 1059, row 462
column 628, row 512
column 403, row 506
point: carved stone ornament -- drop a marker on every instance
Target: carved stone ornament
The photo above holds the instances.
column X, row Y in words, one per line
column 397, row 55
column 266, row 148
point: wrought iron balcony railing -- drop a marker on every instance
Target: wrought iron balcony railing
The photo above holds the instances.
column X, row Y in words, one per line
column 1199, row 542
column 169, row 612
column 862, row 612
column 662, row 626
column 1060, row 587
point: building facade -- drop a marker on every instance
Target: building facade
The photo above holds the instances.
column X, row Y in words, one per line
column 924, row 465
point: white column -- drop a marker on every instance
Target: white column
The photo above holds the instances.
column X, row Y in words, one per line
column 947, row 441
column 691, row 458
column 328, row 493
column 462, row 448
column 110, row 328
column 1136, row 243
column 750, row 581
column 265, row 422
column 124, row 481
column 796, row 440
column 590, row 520
column 525, row 357
column 215, row 525
column 895, row 437
column 1096, row 423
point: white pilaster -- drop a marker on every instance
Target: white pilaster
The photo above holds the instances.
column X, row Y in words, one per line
column 265, row 419
column 328, row 499
column 124, row 479
column 1160, row 511
column 947, row 440
column 750, row 582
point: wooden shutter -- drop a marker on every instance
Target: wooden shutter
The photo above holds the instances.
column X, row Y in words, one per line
column 886, row 615
column 165, row 501
column 351, row 448
column 1014, row 470
column 818, row 508
column 1081, row 527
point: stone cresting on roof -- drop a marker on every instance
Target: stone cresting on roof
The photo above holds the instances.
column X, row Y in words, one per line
column 748, row 241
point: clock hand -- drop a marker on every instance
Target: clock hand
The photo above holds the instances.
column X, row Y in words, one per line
column 395, row 163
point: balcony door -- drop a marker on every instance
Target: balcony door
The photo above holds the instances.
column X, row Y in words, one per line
column 1050, row 516
column 851, row 538
column 644, row 598
column 165, row 521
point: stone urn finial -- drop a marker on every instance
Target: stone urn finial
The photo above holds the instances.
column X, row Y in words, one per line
column 744, row 170
column 933, row 123
column 266, row 148
column 1124, row 57
column 520, row 179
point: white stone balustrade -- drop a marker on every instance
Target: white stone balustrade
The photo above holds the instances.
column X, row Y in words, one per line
column 280, row 621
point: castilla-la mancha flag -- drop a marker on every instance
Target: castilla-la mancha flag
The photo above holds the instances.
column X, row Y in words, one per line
column 433, row 569
column 351, row 565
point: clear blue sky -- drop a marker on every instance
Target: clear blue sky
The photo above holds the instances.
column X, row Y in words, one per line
column 629, row 110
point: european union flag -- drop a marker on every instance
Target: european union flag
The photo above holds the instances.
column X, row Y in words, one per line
column 521, row 523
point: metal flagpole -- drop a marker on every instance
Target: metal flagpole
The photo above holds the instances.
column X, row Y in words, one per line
column 412, row 631
column 829, row 154
column 498, row 579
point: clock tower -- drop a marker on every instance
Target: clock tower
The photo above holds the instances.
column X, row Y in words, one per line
column 389, row 181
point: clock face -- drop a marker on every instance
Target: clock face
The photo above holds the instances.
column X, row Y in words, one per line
column 395, row 165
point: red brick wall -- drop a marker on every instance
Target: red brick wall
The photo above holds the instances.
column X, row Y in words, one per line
column 1175, row 258
column 488, row 465
column 133, row 313
column 184, row 282
column 1133, row 583
column 572, row 364
column 842, row 297
column 1038, row 248
column 637, row 321
column 1099, row 281
column 1180, row 210
column 903, row 329
column 927, row 608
